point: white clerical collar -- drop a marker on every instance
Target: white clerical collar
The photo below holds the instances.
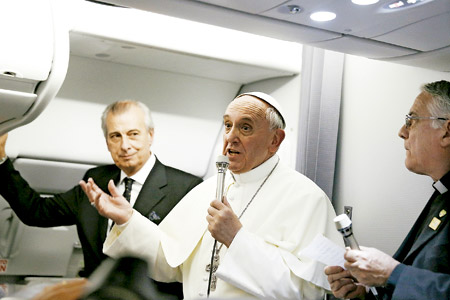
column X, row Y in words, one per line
column 258, row 173
column 142, row 174
column 440, row 187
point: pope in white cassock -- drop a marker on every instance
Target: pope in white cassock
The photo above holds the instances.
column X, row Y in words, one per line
column 268, row 215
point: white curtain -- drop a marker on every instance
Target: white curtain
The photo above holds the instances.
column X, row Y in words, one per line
column 320, row 101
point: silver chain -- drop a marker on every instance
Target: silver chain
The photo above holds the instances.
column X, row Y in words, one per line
column 253, row 197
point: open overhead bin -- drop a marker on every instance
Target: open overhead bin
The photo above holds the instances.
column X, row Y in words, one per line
column 33, row 59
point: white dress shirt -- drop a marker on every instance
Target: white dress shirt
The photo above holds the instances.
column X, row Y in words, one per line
column 139, row 180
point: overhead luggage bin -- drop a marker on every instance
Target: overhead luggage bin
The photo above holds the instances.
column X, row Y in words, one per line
column 33, row 59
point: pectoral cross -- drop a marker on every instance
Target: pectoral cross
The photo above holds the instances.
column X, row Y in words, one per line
column 213, row 276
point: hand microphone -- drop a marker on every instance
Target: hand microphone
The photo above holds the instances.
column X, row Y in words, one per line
column 344, row 226
column 222, row 163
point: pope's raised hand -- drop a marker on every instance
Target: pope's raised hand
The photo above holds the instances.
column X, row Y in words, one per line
column 113, row 206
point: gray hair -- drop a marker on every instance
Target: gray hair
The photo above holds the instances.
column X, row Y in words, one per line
column 274, row 118
column 273, row 113
column 440, row 104
column 122, row 106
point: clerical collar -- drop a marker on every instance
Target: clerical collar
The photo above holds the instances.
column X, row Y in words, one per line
column 143, row 173
column 257, row 173
column 442, row 184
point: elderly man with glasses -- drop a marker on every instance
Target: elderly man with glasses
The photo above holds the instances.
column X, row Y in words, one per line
column 420, row 267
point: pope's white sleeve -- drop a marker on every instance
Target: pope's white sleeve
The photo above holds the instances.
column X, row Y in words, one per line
column 258, row 268
column 141, row 238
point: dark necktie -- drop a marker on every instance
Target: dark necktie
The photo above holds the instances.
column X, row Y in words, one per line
column 128, row 182
column 127, row 192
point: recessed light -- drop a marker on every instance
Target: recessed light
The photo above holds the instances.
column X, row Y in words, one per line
column 396, row 4
column 364, row 2
column 322, row 16
column 403, row 3
column 294, row 9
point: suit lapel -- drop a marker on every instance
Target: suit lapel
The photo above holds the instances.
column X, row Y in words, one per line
column 150, row 195
column 428, row 232
column 407, row 243
column 151, row 192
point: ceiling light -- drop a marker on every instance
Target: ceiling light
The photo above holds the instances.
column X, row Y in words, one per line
column 294, row 9
column 403, row 3
column 396, row 4
column 322, row 16
column 364, row 2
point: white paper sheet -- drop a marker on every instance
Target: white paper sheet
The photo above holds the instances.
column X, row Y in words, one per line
column 325, row 251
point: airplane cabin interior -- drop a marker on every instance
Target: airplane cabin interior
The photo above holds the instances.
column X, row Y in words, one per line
column 344, row 84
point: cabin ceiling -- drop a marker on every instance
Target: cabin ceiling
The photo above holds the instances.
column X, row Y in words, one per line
column 417, row 35
column 114, row 51
column 156, row 41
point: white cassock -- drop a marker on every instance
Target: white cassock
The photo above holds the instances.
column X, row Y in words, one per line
column 263, row 261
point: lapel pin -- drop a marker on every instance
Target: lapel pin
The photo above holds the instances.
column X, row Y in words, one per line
column 442, row 213
column 154, row 216
column 434, row 224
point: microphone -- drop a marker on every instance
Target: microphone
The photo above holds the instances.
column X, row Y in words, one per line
column 222, row 163
column 344, row 226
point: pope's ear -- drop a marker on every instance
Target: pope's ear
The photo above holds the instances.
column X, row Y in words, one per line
column 277, row 139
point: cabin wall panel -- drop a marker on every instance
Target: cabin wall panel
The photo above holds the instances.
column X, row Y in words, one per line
column 370, row 171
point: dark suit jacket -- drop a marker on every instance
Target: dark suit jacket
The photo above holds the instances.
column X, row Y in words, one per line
column 162, row 190
column 424, row 270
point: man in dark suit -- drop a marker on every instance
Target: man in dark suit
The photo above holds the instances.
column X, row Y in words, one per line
column 420, row 268
column 156, row 188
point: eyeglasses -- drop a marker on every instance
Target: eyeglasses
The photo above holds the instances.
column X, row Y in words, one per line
column 408, row 119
